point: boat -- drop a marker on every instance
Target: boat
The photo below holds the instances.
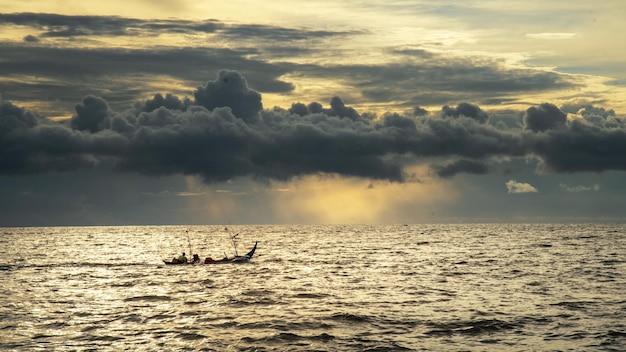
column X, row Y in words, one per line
column 236, row 259
column 178, row 261
column 226, row 260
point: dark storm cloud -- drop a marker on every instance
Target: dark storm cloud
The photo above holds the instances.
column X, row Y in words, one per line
column 581, row 146
column 225, row 134
column 544, row 117
column 419, row 111
column 214, row 144
column 230, row 89
column 466, row 109
column 30, row 144
column 461, row 166
column 170, row 101
column 595, row 115
column 587, row 110
column 90, row 114
column 337, row 108
column 15, row 118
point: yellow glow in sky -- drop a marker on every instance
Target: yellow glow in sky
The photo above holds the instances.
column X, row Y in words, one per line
column 341, row 200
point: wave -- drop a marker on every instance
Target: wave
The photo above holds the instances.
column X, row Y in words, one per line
column 89, row 337
column 472, row 327
column 352, row 318
column 148, row 298
column 191, row 336
column 71, row 265
column 242, row 302
column 573, row 305
column 310, row 295
column 290, row 337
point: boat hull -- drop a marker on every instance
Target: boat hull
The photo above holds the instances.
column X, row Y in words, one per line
column 177, row 263
column 235, row 260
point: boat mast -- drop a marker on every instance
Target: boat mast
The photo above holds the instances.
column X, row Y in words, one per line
column 189, row 242
column 232, row 240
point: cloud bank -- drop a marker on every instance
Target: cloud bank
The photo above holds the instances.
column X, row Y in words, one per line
column 51, row 63
column 225, row 133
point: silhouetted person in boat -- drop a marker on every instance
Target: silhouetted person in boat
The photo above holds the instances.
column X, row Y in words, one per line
column 181, row 259
column 196, row 258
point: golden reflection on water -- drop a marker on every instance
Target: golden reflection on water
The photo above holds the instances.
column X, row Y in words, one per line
column 340, row 288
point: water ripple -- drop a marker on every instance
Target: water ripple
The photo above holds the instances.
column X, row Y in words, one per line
column 505, row 287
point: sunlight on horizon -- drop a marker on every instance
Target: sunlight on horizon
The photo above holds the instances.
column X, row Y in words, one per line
column 343, row 200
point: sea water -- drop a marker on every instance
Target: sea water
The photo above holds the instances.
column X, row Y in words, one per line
column 504, row 287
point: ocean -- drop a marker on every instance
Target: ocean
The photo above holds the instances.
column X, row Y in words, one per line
column 463, row 287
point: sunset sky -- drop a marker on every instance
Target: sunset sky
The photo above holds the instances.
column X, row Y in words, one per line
column 245, row 112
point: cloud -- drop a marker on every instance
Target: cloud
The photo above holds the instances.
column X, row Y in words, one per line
column 56, row 75
column 587, row 110
column 544, row 117
column 62, row 25
column 170, row 101
column 270, row 56
column 34, row 145
column 230, row 89
column 73, row 64
column 513, row 186
column 15, row 118
column 56, row 25
column 226, row 134
column 90, row 114
column 581, row 146
column 466, row 109
column 31, row 38
column 590, row 110
column 440, row 79
column 278, row 34
column 579, row 188
column 337, row 108
column 461, row 166
column 551, row 36
column 419, row 111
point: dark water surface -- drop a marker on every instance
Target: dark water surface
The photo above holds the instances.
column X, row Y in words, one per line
column 316, row 288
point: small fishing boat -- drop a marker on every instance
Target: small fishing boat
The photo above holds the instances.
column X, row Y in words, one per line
column 182, row 260
column 236, row 259
column 226, row 260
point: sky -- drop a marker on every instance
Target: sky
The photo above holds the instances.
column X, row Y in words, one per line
column 311, row 112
